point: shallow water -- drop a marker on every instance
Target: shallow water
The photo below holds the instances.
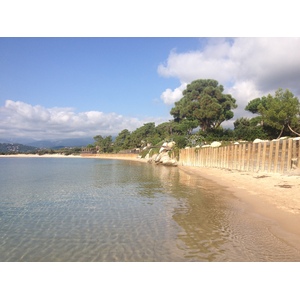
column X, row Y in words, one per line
column 64, row 209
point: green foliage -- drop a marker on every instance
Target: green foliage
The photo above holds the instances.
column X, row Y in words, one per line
column 249, row 129
column 16, row 148
column 253, row 104
column 122, row 141
column 180, row 141
column 142, row 135
column 280, row 112
column 203, row 101
column 204, row 105
column 215, row 134
column 104, row 144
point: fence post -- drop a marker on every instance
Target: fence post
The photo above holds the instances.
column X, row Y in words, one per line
column 253, row 157
column 283, row 157
column 276, row 156
column 258, row 157
column 298, row 158
column 249, row 146
column 264, row 157
column 243, row 156
column 271, row 150
column 289, row 154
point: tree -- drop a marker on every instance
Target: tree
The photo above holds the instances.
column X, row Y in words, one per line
column 143, row 135
column 203, row 101
column 104, row 144
column 249, row 129
column 122, row 141
column 281, row 111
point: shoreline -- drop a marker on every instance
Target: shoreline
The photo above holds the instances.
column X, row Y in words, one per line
column 272, row 196
column 37, row 156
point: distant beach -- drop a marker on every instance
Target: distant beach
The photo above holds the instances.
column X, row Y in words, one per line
column 44, row 155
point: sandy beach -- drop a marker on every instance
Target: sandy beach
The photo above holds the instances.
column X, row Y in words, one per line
column 271, row 196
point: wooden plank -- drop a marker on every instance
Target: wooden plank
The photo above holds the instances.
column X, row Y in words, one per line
column 225, row 157
column 234, row 157
column 289, row 154
column 298, row 149
column 253, row 157
column 277, row 143
column 270, row 161
column 264, row 153
column 283, row 156
column 249, row 149
column 231, row 150
column 258, row 155
column 239, row 156
column 243, row 157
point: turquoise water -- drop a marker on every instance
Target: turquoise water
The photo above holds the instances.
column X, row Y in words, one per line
column 68, row 209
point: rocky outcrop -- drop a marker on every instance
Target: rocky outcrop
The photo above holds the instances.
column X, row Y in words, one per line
column 163, row 156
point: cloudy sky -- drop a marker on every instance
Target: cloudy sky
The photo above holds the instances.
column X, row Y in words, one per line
column 64, row 87
column 79, row 87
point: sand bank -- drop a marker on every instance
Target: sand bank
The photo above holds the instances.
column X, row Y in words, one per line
column 272, row 196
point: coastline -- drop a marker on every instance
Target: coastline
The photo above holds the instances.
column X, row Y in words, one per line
column 37, row 156
column 272, row 196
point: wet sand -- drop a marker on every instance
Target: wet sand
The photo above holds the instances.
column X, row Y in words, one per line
column 273, row 197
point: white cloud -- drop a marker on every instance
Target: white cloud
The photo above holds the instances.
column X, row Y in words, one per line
column 246, row 67
column 19, row 119
column 170, row 97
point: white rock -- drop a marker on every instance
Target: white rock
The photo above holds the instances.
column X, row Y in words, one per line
column 215, row 144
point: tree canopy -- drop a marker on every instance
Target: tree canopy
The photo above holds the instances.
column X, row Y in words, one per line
column 205, row 105
column 204, row 101
column 104, row 144
column 280, row 112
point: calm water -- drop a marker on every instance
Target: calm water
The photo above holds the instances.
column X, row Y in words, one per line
column 64, row 209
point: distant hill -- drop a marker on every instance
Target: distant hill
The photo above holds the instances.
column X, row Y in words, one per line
column 16, row 148
column 57, row 144
column 50, row 144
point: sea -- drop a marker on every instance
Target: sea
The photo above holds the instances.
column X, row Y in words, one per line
column 98, row 210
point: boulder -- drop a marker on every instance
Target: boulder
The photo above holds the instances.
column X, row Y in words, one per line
column 215, row 144
column 259, row 141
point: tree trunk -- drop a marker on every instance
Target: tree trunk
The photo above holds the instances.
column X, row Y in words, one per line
column 292, row 130
column 280, row 132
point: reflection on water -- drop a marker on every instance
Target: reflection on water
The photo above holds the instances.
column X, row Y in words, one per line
column 106, row 210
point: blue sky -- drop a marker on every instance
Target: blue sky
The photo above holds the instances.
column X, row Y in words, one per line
column 69, row 69
column 107, row 74
column 80, row 87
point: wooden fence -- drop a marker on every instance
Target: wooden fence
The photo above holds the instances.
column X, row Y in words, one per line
column 277, row 156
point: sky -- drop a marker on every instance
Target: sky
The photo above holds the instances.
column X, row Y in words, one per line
column 73, row 71
column 81, row 87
